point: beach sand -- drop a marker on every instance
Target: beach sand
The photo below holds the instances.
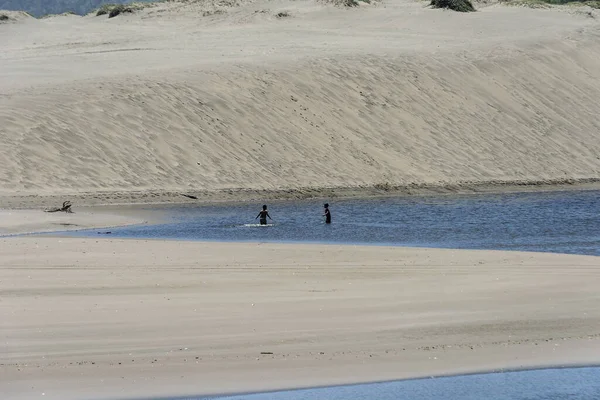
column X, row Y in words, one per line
column 85, row 318
column 15, row 222
column 228, row 101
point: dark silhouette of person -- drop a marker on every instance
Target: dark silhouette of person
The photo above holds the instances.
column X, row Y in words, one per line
column 263, row 214
column 327, row 213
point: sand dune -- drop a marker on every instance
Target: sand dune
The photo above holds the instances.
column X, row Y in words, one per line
column 180, row 97
column 84, row 318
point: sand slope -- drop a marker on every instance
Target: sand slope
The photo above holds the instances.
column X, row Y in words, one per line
column 178, row 97
column 84, row 318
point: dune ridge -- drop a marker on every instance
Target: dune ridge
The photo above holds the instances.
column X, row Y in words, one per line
column 402, row 105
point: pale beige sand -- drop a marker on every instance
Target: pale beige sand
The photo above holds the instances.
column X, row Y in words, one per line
column 84, row 318
column 173, row 99
column 178, row 98
column 35, row 221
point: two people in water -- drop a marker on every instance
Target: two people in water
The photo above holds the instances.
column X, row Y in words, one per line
column 264, row 213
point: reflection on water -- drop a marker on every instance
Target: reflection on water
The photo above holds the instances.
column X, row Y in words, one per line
column 565, row 222
column 546, row 384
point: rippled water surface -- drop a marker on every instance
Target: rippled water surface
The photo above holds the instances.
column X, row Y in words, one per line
column 546, row 384
column 563, row 222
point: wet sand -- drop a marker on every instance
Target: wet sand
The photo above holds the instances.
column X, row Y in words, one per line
column 121, row 200
column 15, row 222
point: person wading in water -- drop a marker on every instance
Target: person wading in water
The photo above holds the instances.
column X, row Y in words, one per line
column 263, row 214
column 327, row 213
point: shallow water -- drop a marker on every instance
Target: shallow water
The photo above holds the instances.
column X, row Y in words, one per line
column 562, row 222
column 542, row 384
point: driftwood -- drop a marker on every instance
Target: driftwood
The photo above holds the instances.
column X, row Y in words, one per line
column 66, row 207
column 189, row 196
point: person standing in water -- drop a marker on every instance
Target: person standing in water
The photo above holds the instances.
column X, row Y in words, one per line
column 327, row 213
column 263, row 214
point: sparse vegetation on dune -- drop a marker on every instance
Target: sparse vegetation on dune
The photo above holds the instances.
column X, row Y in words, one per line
column 549, row 3
column 39, row 8
column 112, row 10
column 105, row 9
column 592, row 3
column 7, row 16
column 346, row 3
column 119, row 9
column 455, row 5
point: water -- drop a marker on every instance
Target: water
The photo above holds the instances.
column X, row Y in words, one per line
column 544, row 384
column 562, row 222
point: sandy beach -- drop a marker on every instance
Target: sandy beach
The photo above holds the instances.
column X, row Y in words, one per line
column 86, row 318
column 251, row 100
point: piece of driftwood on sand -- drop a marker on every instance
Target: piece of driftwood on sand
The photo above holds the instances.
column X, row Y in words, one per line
column 66, row 207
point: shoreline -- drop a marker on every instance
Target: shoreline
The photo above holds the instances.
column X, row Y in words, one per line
column 419, row 378
column 242, row 195
column 326, row 383
column 113, row 216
